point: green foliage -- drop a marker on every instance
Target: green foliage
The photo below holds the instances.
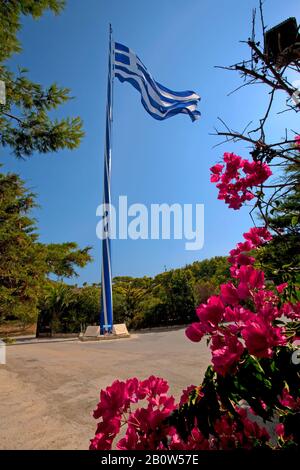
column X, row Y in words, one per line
column 131, row 291
column 167, row 299
column 25, row 263
column 280, row 258
column 57, row 306
column 177, row 304
column 25, row 125
column 21, row 260
column 69, row 309
column 62, row 258
column 170, row 297
column 204, row 289
column 10, row 14
column 215, row 269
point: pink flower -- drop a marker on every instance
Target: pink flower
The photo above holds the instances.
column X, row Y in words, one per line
column 154, row 386
column 197, row 440
column 258, row 236
column 281, row 287
column 255, row 336
column 112, row 400
column 241, row 262
column 250, row 279
column 279, row 428
column 130, row 440
column 194, row 332
column 100, row 442
column 216, row 170
column 236, row 181
column 243, row 290
column 212, row 311
column 243, row 259
column 264, row 300
column 238, row 315
column 226, row 356
column 291, row 311
column 105, row 434
column 229, row 294
column 289, row 401
column 252, row 430
column 185, row 394
column 261, row 337
column 146, row 428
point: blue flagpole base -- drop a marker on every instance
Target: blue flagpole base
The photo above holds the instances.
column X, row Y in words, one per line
column 105, row 332
column 106, row 329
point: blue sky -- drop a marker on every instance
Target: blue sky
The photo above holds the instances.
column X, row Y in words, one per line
column 152, row 162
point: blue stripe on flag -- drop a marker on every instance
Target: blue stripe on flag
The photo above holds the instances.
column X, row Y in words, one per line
column 122, row 58
column 121, row 47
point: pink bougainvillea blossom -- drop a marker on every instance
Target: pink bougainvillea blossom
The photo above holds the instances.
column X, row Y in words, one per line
column 227, row 321
column 236, row 180
column 260, row 337
column 195, row 332
column 216, row 171
column 279, row 429
column 289, row 401
column 281, row 287
column 186, row 393
column 224, row 357
column 145, row 425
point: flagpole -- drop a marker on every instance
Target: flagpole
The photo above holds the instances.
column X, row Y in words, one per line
column 106, row 316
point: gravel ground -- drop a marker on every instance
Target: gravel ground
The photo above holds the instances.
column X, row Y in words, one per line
column 49, row 389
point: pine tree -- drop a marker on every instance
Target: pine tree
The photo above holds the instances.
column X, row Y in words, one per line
column 25, row 263
column 25, row 125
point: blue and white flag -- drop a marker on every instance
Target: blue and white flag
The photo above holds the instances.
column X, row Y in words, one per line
column 158, row 100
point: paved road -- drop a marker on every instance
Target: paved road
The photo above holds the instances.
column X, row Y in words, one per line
column 48, row 390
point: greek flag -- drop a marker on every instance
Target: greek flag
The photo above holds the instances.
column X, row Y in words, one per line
column 158, row 100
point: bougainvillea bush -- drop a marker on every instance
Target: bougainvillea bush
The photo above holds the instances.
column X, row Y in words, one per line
column 253, row 382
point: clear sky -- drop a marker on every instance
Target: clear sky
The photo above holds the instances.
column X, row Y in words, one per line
column 180, row 42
